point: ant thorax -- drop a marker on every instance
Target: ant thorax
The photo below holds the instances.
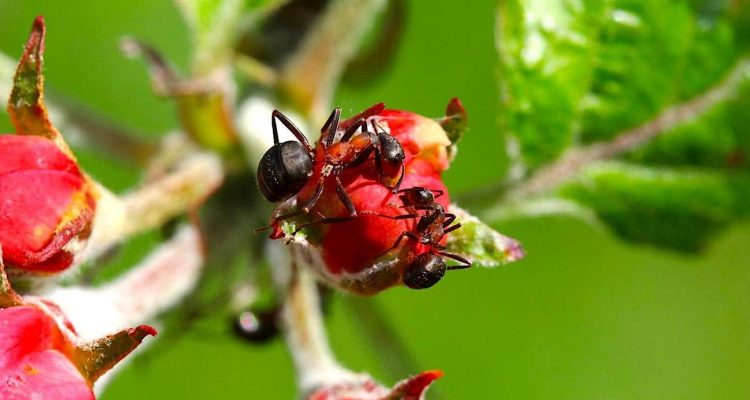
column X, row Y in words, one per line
column 327, row 169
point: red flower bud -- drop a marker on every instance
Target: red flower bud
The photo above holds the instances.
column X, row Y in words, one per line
column 360, row 254
column 412, row 388
column 46, row 203
column 33, row 362
column 421, row 137
column 45, row 200
column 41, row 356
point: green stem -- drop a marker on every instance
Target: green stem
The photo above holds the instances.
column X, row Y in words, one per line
column 311, row 75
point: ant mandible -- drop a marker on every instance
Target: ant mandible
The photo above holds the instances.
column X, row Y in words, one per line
column 287, row 167
column 429, row 267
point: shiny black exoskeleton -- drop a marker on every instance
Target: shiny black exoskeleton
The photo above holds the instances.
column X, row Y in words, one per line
column 286, row 167
column 427, row 268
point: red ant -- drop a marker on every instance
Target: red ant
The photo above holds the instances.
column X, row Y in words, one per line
column 427, row 268
column 287, row 167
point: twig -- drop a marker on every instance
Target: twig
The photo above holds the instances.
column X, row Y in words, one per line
column 305, row 334
column 149, row 288
column 150, row 206
column 575, row 160
column 310, row 77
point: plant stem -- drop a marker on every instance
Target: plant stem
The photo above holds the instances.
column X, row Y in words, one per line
column 305, row 334
column 154, row 285
column 311, row 75
column 577, row 159
column 155, row 203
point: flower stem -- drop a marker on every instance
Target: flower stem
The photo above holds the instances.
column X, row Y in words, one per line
column 305, row 334
column 311, row 75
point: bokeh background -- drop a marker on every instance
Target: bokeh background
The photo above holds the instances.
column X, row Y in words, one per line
column 583, row 316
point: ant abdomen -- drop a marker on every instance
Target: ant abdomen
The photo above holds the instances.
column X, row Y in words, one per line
column 284, row 170
column 426, row 270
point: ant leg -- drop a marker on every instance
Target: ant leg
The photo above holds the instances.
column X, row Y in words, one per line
column 278, row 219
column 332, row 124
column 466, row 263
column 403, row 234
column 451, row 228
column 360, row 123
column 403, row 216
column 437, row 193
column 344, row 197
column 400, row 179
column 323, row 220
column 328, row 122
column 315, row 197
column 449, row 218
column 276, row 114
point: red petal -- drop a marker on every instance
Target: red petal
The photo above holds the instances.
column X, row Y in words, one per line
column 33, row 152
column 25, row 330
column 34, row 202
column 44, row 375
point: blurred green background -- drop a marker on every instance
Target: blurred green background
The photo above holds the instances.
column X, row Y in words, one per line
column 583, row 316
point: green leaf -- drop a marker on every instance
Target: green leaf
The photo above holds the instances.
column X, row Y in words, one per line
column 575, row 72
column 545, row 68
column 679, row 209
column 658, row 84
column 480, row 243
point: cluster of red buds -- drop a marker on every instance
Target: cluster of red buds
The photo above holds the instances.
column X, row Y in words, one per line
column 56, row 342
column 369, row 195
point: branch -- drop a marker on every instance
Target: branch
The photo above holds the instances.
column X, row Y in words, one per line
column 148, row 289
column 311, row 75
column 150, row 206
column 305, row 333
column 577, row 159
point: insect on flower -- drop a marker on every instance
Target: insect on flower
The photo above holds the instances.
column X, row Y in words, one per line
column 286, row 168
column 434, row 223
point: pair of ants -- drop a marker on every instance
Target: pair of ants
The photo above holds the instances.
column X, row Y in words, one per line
column 288, row 166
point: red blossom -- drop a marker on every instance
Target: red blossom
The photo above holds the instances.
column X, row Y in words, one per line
column 33, row 362
column 41, row 356
column 46, row 203
column 351, row 249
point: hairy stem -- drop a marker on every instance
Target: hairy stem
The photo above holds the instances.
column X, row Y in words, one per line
column 305, row 333
column 575, row 160
column 176, row 193
column 157, row 283
column 311, row 75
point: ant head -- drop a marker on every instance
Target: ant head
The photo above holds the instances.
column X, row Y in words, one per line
column 284, row 169
column 426, row 270
column 417, row 196
column 255, row 327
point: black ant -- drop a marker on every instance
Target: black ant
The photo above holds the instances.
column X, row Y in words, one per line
column 427, row 268
column 287, row 167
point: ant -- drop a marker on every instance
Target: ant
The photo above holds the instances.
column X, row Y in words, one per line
column 427, row 268
column 287, row 167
